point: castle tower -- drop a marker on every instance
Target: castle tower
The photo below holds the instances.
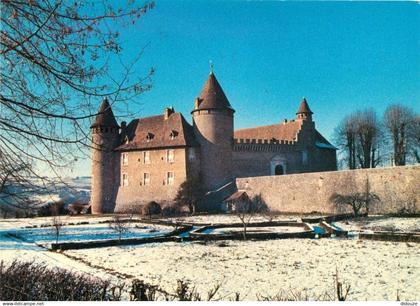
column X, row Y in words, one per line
column 105, row 138
column 304, row 112
column 213, row 128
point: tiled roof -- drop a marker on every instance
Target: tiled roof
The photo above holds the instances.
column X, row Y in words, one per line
column 105, row 116
column 304, row 107
column 155, row 132
column 212, row 96
column 236, row 196
column 287, row 131
column 322, row 142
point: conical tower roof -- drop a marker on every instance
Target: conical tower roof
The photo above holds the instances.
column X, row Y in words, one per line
column 304, row 107
column 105, row 116
column 212, row 96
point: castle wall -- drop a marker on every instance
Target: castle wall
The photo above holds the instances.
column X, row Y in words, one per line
column 257, row 163
column 136, row 193
column 397, row 187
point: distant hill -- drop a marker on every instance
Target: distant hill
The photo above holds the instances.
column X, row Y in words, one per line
column 68, row 191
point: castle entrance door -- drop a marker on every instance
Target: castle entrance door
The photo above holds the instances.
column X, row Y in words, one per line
column 278, row 165
column 278, row 170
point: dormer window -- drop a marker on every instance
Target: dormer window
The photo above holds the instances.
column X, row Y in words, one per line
column 149, row 136
column 173, row 134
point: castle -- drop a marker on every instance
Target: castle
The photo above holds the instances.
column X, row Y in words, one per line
column 148, row 159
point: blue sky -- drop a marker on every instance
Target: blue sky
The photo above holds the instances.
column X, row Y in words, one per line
column 267, row 55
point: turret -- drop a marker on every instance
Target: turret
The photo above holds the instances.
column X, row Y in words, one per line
column 213, row 128
column 304, row 112
column 105, row 137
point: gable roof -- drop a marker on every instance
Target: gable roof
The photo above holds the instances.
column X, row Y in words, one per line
column 284, row 131
column 322, row 143
column 240, row 194
column 212, row 96
column 105, row 116
column 155, row 132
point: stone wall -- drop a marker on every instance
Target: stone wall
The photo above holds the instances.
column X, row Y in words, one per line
column 397, row 187
column 139, row 192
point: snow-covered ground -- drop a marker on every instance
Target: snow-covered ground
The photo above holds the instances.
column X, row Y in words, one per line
column 253, row 229
column 375, row 270
column 40, row 230
column 232, row 218
column 381, row 224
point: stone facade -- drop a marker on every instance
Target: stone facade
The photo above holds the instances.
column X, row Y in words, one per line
column 398, row 188
column 148, row 159
column 148, row 176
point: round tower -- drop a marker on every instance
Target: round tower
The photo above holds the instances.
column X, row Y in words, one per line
column 105, row 136
column 213, row 127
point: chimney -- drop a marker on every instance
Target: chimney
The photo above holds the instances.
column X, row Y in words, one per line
column 168, row 112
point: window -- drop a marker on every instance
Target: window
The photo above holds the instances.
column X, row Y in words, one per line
column 146, row 157
column 173, row 134
column 191, row 154
column 170, row 156
column 170, row 178
column 149, row 137
column 125, row 179
column 146, row 179
column 124, row 159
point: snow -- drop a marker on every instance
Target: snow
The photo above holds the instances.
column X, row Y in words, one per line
column 85, row 233
column 253, row 229
column 376, row 270
column 381, row 224
column 96, row 229
column 232, row 218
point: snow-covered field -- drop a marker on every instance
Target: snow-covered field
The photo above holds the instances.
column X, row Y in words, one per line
column 382, row 224
column 226, row 218
column 251, row 229
column 375, row 270
column 40, row 230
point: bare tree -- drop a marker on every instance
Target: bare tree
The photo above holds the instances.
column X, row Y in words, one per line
column 398, row 120
column 357, row 136
column 54, row 71
column 367, row 130
column 246, row 209
column 56, row 225
column 415, row 137
column 120, row 225
column 345, row 137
